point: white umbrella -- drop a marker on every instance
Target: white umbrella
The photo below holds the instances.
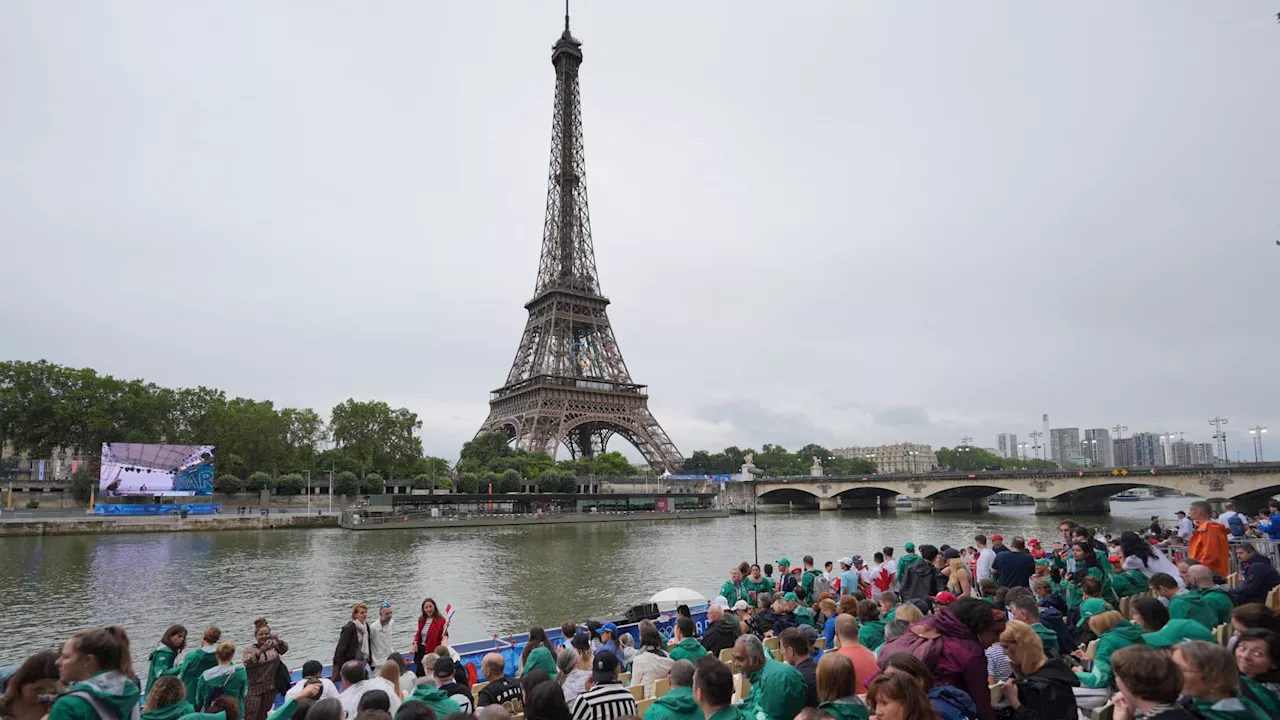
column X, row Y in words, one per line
column 670, row 598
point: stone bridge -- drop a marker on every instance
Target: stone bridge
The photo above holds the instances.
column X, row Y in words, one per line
column 1250, row 485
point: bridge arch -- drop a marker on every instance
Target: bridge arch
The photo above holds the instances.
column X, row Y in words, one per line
column 788, row 495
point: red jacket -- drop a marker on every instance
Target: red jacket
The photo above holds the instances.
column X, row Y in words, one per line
column 950, row 649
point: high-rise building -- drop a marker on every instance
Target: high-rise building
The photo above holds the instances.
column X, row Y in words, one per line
column 1097, row 447
column 1203, row 454
column 1047, row 439
column 1181, row 452
column 1007, row 444
column 1122, row 452
column 1147, row 450
column 1065, row 444
column 899, row 458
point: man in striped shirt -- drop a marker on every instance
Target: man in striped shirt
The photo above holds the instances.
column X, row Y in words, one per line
column 605, row 698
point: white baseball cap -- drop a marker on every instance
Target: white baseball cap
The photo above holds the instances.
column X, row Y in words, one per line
column 740, row 605
column 722, row 601
column 846, row 561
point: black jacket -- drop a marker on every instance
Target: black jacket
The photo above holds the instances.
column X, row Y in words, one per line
column 349, row 648
column 761, row 623
column 1046, row 693
column 809, row 671
column 720, row 635
column 922, row 581
column 1256, row 580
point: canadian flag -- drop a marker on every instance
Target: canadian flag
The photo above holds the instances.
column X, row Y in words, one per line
column 882, row 580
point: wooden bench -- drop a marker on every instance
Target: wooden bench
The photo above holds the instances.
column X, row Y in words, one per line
column 643, row 705
column 637, row 692
column 661, row 687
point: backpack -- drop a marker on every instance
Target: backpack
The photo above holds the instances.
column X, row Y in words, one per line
column 820, row 585
column 103, row 711
column 217, row 692
column 1236, row 525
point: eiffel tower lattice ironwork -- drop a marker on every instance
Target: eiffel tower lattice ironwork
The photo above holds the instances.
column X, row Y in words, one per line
column 568, row 383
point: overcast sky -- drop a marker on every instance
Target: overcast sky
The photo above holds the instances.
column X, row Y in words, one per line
column 842, row 222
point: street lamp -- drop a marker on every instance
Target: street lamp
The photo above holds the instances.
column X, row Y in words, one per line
column 1092, row 445
column 1257, row 432
column 1022, row 450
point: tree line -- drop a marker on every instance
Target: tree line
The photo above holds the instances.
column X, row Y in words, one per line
column 776, row 461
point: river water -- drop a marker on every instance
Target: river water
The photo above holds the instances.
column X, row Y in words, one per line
column 499, row 580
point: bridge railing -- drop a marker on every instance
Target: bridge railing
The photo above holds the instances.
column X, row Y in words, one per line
column 1263, row 546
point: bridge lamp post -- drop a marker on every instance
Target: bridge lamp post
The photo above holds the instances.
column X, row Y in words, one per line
column 1092, row 446
column 1022, row 451
column 1257, row 433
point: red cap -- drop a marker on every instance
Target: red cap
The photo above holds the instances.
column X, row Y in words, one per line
column 1033, row 541
column 1113, row 558
column 997, row 536
column 795, row 569
column 944, row 598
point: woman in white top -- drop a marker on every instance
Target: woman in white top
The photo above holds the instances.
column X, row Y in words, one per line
column 574, row 666
column 1146, row 558
column 651, row 664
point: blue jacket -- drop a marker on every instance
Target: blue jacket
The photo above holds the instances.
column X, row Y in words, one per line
column 952, row 703
column 1271, row 526
column 1256, row 580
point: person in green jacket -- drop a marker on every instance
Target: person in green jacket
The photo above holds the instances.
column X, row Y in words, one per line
column 223, row 678
column 871, row 634
column 687, row 645
column 95, row 665
column 167, row 700
column 735, row 589
column 713, row 691
column 1114, row 632
column 1088, row 565
column 838, row 688
column 810, row 574
column 907, row 560
column 1200, row 577
column 804, row 613
column 1184, row 603
column 1129, row 583
column 436, row 698
column 284, row 712
column 196, row 661
column 537, row 654
column 1212, row 682
column 755, row 583
column 777, row 689
column 1257, row 656
column 1158, row 630
column 162, row 658
column 678, row 703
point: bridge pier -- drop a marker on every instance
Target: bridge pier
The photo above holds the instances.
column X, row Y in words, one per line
column 1068, row 506
column 828, row 504
column 948, row 504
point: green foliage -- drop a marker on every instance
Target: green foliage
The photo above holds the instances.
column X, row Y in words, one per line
column 291, row 484
column 776, row 461
column 610, row 464
column 490, row 482
column 373, row 484
column 83, row 481
column 260, row 481
column 971, row 459
column 468, row 482
column 346, row 483
column 557, row 480
column 227, row 484
column 424, row 482
column 446, row 483
column 32, row 504
column 377, row 435
column 509, row 482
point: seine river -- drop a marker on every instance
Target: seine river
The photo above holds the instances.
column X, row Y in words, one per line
column 499, row 580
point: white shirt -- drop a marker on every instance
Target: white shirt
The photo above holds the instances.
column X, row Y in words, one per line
column 1157, row 564
column 892, row 566
column 1186, row 528
column 381, row 644
column 985, row 558
column 328, row 689
column 350, row 698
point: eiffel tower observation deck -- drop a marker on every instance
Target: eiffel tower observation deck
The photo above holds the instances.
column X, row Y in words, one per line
column 568, row 383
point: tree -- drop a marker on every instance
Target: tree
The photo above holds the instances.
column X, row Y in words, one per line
column 227, row 484
column 509, row 482
column 83, row 481
column 612, row 464
column 490, row 482
column 346, row 483
column 485, row 448
column 373, row 484
column 557, row 481
column 260, row 481
column 377, row 435
column 468, row 482
column 424, row 482
column 291, row 484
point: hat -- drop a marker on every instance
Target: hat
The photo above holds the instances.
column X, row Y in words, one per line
column 721, row 601
column 605, row 667
column 581, row 641
column 740, row 605
column 909, row 547
column 951, row 554
column 1033, row 541
column 1180, row 512
column 1044, row 561
column 857, row 559
column 846, row 561
column 791, row 597
column 944, row 598
column 443, row 667
column 1177, row 630
column 1113, row 558
column 809, row 632
column 609, row 628
column 783, row 561
column 997, row 536
column 1091, row 607
column 797, row 569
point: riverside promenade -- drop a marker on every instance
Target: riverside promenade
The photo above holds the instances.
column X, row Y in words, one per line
column 77, row 522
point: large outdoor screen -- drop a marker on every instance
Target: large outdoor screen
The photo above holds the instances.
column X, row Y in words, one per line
column 144, row 469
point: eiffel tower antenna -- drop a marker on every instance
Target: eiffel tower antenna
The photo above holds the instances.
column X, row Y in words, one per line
column 568, row 384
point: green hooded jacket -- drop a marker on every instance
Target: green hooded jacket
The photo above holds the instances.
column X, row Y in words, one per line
column 1190, row 605
column 1075, row 596
column 1120, row 636
column 284, row 712
column 757, row 587
column 437, row 699
column 1220, row 602
column 1253, row 692
column 733, row 593
column 804, row 616
column 871, row 634
column 110, row 688
column 777, row 692
column 1234, row 708
column 1048, row 638
column 204, row 716
column 172, row 711
column 231, row 678
column 677, row 704
column 845, row 710
column 540, row 659
column 728, row 712
column 161, row 664
column 905, row 562
column 1129, row 583
column 687, row 649
column 194, row 663
column 806, row 582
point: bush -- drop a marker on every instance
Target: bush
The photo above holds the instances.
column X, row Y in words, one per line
column 557, row 481
column 374, row 485
column 227, row 484
column 509, row 482
column 292, row 484
column 260, row 481
column 445, row 483
column 468, row 482
column 489, row 482
column 32, row 504
column 424, row 482
column 346, row 483
column 83, row 481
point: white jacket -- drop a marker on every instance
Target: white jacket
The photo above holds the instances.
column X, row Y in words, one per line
column 350, row 698
column 648, row 668
column 381, row 644
column 328, row 689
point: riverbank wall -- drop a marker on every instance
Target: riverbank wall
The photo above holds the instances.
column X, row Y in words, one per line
column 96, row 525
column 425, row 523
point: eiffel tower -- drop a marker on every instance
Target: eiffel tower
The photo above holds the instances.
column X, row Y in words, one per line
column 568, row 383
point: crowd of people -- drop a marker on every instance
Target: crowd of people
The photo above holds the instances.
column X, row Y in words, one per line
column 1148, row 623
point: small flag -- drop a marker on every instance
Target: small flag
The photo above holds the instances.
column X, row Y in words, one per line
column 448, row 612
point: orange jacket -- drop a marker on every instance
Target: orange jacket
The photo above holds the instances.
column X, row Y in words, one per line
column 1209, row 546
